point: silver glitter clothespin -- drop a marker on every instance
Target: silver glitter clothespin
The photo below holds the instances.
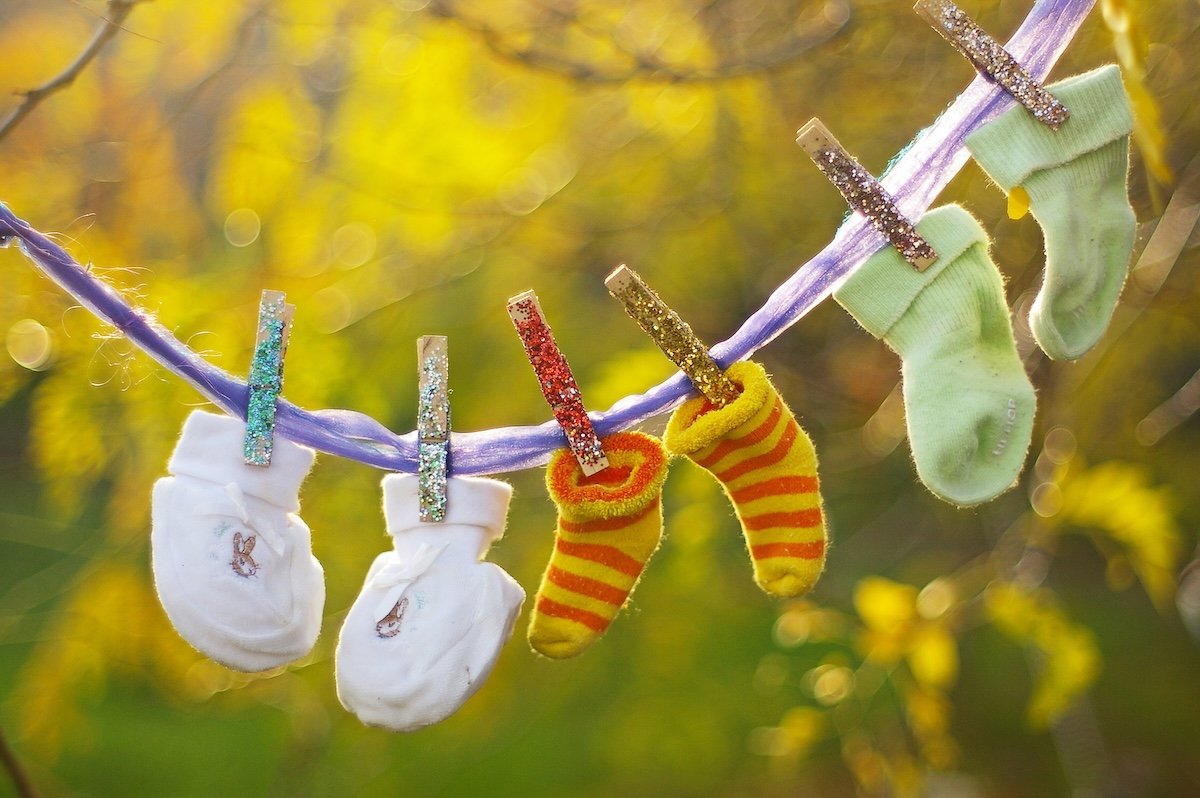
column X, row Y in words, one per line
column 864, row 193
column 557, row 382
column 266, row 376
column 433, row 426
column 992, row 60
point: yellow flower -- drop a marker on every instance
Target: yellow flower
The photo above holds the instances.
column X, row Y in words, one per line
column 896, row 628
column 1070, row 659
column 1116, row 500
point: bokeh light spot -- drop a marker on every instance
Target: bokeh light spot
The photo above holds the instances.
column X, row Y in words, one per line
column 1060, row 445
column 832, row 685
column 242, row 227
column 935, row 599
column 353, row 244
column 1047, row 499
column 30, row 345
column 792, row 628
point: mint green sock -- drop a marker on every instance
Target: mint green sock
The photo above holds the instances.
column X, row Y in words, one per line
column 967, row 400
column 1076, row 183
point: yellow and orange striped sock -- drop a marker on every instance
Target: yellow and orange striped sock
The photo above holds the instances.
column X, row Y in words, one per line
column 608, row 526
column 768, row 466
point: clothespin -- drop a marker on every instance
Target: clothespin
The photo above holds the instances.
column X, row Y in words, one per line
column 433, row 426
column 992, row 60
column 672, row 335
column 266, row 376
column 864, row 193
column 557, row 382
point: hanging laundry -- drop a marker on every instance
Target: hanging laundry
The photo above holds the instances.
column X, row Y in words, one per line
column 233, row 563
column 968, row 403
column 609, row 524
column 427, row 627
column 768, row 467
column 1076, row 181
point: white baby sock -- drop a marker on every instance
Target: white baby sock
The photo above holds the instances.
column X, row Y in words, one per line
column 233, row 563
column 427, row 627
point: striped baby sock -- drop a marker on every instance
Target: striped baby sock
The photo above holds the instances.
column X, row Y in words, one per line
column 768, row 466
column 608, row 526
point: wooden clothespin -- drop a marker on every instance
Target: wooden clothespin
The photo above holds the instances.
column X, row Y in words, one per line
column 557, row 382
column 864, row 193
column 433, row 426
column 266, row 376
column 672, row 335
column 992, row 60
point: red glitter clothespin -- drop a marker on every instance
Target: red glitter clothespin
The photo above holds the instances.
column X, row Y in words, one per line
column 864, row 193
column 556, row 381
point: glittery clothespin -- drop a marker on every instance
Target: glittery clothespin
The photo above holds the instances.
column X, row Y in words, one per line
column 433, row 426
column 266, row 376
column 556, row 381
column 672, row 335
column 864, row 193
column 992, row 60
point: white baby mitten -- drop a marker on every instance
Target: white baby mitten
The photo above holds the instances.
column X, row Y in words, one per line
column 429, row 623
column 233, row 563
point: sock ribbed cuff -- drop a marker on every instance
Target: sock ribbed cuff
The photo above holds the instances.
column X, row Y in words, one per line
column 1087, row 171
column 1015, row 145
column 880, row 291
column 637, row 468
column 470, row 501
column 210, row 448
column 689, row 432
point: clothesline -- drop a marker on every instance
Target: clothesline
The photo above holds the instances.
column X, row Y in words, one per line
column 914, row 179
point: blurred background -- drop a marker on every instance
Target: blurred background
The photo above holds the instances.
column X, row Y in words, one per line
column 401, row 168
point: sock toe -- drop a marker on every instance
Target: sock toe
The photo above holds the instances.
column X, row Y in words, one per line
column 1086, row 267
column 557, row 644
column 972, row 450
column 788, row 579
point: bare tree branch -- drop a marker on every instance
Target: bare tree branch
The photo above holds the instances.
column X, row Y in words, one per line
column 646, row 66
column 20, row 779
column 116, row 13
column 246, row 30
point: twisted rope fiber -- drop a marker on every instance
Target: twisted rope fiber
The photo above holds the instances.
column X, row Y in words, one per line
column 915, row 178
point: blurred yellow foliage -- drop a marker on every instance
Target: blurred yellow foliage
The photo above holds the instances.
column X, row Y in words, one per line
column 112, row 626
column 929, row 713
column 1115, row 500
column 1066, row 661
column 401, row 168
column 1121, row 17
column 895, row 629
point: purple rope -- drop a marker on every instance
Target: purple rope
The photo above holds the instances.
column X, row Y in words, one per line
column 917, row 176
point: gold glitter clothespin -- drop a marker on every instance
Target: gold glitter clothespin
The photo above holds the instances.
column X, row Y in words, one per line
column 992, row 60
column 672, row 335
column 433, row 425
column 864, row 193
column 266, row 376
column 557, row 382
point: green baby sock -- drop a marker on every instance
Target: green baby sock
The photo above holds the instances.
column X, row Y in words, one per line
column 1076, row 183
column 967, row 399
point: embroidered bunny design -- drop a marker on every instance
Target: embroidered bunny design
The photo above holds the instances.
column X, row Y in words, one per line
column 243, row 563
column 389, row 625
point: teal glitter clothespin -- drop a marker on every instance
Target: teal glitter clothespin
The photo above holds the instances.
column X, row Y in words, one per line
column 433, row 426
column 266, row 376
